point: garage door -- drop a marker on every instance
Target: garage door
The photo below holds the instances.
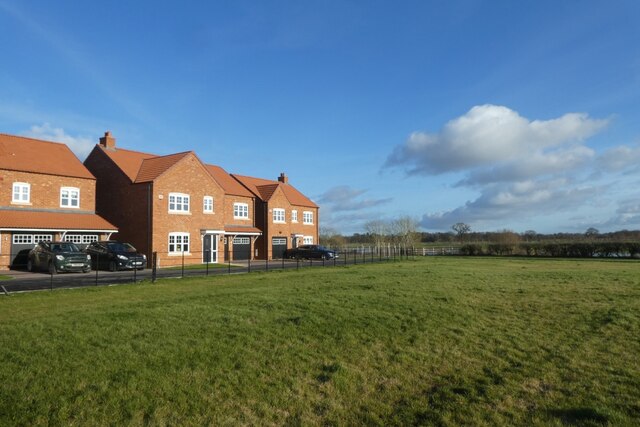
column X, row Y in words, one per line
column 278, row 246
column 21, row 244
column 241, row 248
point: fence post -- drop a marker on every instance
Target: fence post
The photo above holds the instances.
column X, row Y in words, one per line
column 154, row 267
column 182, row 276
column 135, row 274
column 97, row 265
column 249, row 270
column 266, row 263
column 208, row 257
column 355, row 257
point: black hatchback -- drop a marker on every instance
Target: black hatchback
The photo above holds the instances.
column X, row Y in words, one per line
column 310, row 252
column 113, row 255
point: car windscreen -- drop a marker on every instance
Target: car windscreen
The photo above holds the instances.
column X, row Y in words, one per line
column 121, row 247
column 64, row 247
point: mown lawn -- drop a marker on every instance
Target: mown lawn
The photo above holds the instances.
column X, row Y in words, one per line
column 443, row 341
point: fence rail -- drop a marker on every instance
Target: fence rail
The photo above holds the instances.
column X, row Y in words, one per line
column 191, row 265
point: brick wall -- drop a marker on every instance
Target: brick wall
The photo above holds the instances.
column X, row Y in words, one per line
column 188, row 177
column 122, row 203
column 45, row 190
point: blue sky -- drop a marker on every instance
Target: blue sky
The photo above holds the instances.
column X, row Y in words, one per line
column 499, row 114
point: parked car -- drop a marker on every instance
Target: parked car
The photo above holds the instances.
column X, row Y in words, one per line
column 56, row 257
column 113, row 255
column 310, row 252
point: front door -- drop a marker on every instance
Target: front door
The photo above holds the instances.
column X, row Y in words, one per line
column 210, row 248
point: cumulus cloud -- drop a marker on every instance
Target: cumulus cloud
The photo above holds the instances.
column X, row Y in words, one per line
column 345, row 198
column 627, row 215
column 520, row 168
column 620, row 158
column 81, row 146
column 486, row 135
column 499, row 203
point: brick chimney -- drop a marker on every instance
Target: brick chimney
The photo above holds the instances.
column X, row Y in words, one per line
column 283, row 178
column 108, row 141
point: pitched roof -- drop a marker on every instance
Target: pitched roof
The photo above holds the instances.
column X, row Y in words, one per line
column 128, row 161
column 18, row 218
column 226, row 181
column 265, row 188
column 142, row 167
column 22, row 154
column 153, row 167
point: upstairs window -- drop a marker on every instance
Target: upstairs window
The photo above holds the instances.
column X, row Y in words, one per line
column 278, row 215
column 294, row 216
column 21, row 192
column 241, row 211
column 207, row 204
column 178, row 202
column 307, row 217
column 70, row 197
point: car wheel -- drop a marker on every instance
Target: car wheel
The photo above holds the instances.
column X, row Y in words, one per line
column 113, row 266
column 52, row 268
column 86, row 270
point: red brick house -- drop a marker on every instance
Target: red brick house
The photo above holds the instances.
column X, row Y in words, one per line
column 45, row 194
column 286, row 217
column 173, row 205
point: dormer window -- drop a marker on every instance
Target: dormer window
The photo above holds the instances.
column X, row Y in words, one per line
column 70, row 197
column 21, row 192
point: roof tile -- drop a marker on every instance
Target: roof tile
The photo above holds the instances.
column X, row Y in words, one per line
column 53, row 220
column 33, row 155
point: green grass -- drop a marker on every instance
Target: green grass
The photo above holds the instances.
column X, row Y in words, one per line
column 441, row 341
column 5, row 277
column 202, row 266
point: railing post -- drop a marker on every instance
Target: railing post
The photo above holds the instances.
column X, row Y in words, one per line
column 182, row 277
column 249, row 264
column 208, row 258
column 97, row 265
column 154, row 267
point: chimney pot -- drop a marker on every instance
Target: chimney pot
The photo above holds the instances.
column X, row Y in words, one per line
column 283, row 178
column 108, row 141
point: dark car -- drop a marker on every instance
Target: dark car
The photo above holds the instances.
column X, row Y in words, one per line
column 57, row 257
column 113, row 255
column 310, row 252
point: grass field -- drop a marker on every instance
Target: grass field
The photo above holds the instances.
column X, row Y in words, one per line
column 442, row 341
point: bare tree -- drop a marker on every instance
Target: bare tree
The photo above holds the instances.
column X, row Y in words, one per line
column 591, row 233
column 378, row 230
column 405, row 230
column 331, row 237
column 461, row 229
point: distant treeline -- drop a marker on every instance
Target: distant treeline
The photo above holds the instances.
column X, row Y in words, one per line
column 497, row 236
column 603, row 249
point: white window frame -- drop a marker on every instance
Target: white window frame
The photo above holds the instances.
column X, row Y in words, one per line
column 307, row 217
column 241, row 240
column 81, row 239
column 294, row 216
column 278, row 216
column 25, row 239
column 279, row 241
column 21, row 193
column 178, row 243
column 22, row 239
column 241, row 211
column 67, row 197
column 179, row 203
column 307, row 240
column 207, row 204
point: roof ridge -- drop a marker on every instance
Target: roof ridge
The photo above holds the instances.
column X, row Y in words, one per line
column 34, row 139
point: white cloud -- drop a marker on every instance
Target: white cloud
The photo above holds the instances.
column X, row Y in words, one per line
column 486, row 135
column 619, row 158
column 515, row 202
column 81, row 146
column 522, row 169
